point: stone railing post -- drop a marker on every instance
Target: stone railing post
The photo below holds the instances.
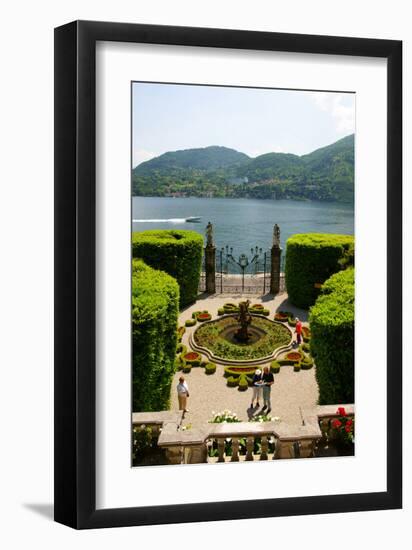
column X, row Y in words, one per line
column 210, row 261
column 276, row 253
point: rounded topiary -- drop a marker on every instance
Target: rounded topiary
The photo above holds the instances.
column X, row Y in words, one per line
column 181, row 348
column 311, row 258
column 221, row 311
column 192, row 358
column 155, row 303
column 187, row 368
column 232, row 381
column 274, row 367
column 332, row 344
column 204, row 316
column 306, row 363
column 243, row 383
column 210, row 368
column 239, row 371
column 178, row 252
column 190, row 322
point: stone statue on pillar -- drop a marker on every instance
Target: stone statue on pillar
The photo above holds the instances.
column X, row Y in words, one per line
column 276, row 235
column 210, row 260
column 276, row 253
column 209, row 235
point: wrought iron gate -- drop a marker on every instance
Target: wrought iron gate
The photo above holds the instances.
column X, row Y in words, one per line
column 243, row 274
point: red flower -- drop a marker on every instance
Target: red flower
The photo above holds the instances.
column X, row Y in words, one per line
column 349, row 423
column 348, row 428
column 336, row 424
column 341, row 411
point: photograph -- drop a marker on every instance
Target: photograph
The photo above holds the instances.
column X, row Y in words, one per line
column 242, row 274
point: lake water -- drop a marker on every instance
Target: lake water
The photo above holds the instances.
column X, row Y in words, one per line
column 243, row 223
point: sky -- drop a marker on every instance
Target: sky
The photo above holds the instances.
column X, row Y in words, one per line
column 170, row 117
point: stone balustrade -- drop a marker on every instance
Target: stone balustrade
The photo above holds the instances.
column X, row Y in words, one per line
column 286, row 440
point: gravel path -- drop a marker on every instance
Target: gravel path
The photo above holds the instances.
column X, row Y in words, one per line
column 290, row 392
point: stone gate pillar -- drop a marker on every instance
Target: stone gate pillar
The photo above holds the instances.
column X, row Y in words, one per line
column 276, row 253
column 210, row 261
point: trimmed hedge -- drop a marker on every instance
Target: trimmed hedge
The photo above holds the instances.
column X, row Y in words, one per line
column 210, row 368
column 181, row 348
column 311, row 258
column 274, row 367
column 178, row 252
column 155, row 308
column 231, row 371
column 195, row 361
column 190, row 323
column 332, row 324
column 243, row 383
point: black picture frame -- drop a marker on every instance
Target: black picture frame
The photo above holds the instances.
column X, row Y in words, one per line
column 75, row 243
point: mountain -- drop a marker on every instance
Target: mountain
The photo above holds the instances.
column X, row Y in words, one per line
column 325, row 174
column 208, row 158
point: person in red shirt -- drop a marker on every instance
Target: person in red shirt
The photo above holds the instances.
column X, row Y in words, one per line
column 298, row 330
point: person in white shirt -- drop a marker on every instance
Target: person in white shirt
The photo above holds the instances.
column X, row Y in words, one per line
column 182, row 394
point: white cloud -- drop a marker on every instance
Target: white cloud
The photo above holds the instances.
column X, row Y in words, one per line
column 340, row 106
column 141, row 155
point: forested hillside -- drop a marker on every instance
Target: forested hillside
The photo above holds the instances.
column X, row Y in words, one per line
column 325, row 174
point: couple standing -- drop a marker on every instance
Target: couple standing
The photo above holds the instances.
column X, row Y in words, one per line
column 262, row 383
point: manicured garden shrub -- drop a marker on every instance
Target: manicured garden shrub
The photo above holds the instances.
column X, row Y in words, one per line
column 221, row 311
column 190, row 323
column 306, row 334
column 192, row 358
column 296, row 367
column 187, row 368
column 178, row 252
column 295, row 356
column 210, row 368
column 275, row 367
column 237, row 371
column 232, row 381
column 181, row 348
column 230, row 308
column 282, row 316
column 311, row 258
column 243, row 383
column 155, row 303
column 180, row 332
column 291, row 321
column 306, row 363
column 204, row 316
column 287, row 362
column 332, row 324
column 305, row 347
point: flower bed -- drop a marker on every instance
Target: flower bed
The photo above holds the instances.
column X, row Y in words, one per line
column 281, row 316
column 306, row 334
column 204, row 316
column 237, row 371
column 224, row 416
column 209, row 336
column 192, row 358
column 294, row 356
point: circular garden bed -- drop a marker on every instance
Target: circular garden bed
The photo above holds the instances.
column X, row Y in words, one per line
column 212, row 336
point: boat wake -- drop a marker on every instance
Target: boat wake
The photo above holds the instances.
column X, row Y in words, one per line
column 170, row 220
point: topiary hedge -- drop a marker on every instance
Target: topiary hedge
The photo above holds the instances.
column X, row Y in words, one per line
column 311, row 258
column 178, row 252
column 332, row 324
column 155, row 308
